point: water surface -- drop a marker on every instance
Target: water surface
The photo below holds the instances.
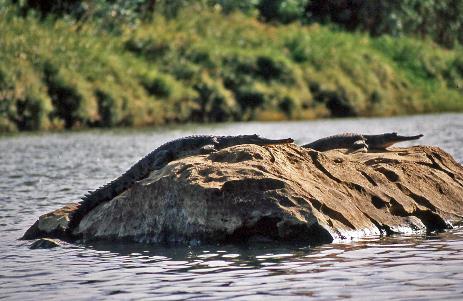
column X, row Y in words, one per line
column 41, row 172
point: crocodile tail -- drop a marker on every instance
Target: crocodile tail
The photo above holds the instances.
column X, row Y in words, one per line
column 109, row 191
column 92, row 199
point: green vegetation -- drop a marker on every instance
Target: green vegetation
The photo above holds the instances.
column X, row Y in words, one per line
column 203, row 65
column 439, row 20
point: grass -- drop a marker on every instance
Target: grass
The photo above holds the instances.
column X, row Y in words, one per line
column 207, row 67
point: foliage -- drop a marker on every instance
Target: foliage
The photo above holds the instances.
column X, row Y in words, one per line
column 441, row 20
column 284, row 11
column 209, row 67
column 109, row 15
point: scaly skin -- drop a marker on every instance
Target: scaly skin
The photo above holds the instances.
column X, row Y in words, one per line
column 383, row 141
column 157, row 159
column 354, row 141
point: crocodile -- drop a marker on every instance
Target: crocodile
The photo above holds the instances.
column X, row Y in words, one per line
column 357, row 142
column 157, row 159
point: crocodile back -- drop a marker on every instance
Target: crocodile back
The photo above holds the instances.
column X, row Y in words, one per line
column 137, row 172
column 345, row 140
column 157, row 159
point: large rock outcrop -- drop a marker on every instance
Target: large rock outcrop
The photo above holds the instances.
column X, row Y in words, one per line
column 285, row 192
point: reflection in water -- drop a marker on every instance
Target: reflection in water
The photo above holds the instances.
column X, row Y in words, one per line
column 415, row 267
column 42, row 172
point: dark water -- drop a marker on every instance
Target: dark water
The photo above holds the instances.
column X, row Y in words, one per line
column 39, row 173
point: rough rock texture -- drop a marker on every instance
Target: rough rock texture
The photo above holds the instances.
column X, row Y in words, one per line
column 53, row 224
column 285, row 192
column 45, row 243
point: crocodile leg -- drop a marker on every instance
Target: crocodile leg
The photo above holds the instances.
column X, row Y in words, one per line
column 207, row 149
column 359, row 146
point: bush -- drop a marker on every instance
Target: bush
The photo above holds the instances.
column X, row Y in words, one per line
column 228, row 6
column 157, row 85
column 24, row 102
column 109, row 14
column 249, row 66
column 250, row 99
column 107, row 109
column 283, row 11
column 288, row 106
column 65, row 98
column 209, row 66
column 30, row 113
column 441, row 20
column 215, row 103
column 298, row 46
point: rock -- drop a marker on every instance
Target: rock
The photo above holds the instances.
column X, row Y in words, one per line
column 285, row 192
column 45, row 243
column 53, row 224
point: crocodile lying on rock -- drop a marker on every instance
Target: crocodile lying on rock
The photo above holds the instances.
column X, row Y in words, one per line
column 160, row 157
column 286, row 193
column 360, row 142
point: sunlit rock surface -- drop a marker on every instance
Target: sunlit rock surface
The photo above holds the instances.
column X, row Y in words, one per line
column 285, row 192
column 52, row 224
column 44, row 243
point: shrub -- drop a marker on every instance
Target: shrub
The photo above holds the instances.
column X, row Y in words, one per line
column 269, row 68
column 107, row 109
column 24, row 102
column 215, row 103
column 208, row 66
column 442, row 20
column 69, row 104
column 250, row 99
column 157, row 85
column 228, row 6
column 246, row 67
column 288, row 106
column 148, row 47
column 298, row 46
column 283, row 11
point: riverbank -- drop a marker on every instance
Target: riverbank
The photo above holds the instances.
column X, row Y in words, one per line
column 210, row 67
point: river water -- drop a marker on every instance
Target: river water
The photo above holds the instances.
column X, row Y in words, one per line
column 41, row 172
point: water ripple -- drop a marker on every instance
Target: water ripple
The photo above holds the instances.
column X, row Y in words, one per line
column 43, row 172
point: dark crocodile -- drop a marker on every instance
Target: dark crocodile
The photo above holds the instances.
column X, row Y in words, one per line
column 157, row 159
column 354, row 142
